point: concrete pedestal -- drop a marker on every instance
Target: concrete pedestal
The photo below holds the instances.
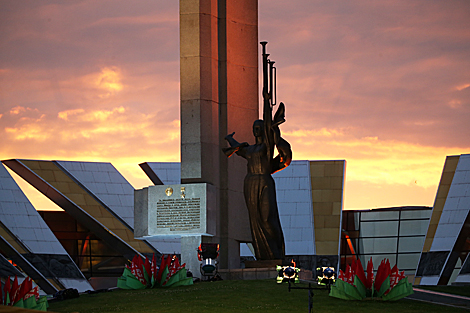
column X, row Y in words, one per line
column 189, row 245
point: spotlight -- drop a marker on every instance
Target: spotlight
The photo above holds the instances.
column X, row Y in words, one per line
column 207, row 253
column 326, row 275
column 288, row 273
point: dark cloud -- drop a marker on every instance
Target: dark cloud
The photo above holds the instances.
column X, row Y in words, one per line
column 388, row 69
column 79, row 34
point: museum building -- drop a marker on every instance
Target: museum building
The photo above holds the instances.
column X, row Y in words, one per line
column 91, row 240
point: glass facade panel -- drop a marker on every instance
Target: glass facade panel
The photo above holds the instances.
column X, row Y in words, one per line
column 409, row 214
column 376, row 259
column 379, row 229
column 379, row 215
column 411, row 272
column 379, row 245
column 408, row 261
column 415, row 228
column 411, row 244
column 394, row 234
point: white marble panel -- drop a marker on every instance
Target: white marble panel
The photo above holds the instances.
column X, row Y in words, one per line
column 303, row 208
column 448, row 230
column 18, row 194
column 459, row 215
column 167, row 245
column 442, row 243
column 127, row 200
column 284, row 173
column 6, row 194
column 7, row 207
column 296, row 248
column 295, row 234
column 49, row 236
column 464, row 162
column 281, row 196
column 293, row 190
column 300, row 170
column 101, row 177
column 294, row 195
column 429, row 280
column 463, row 279
column 307, row 234
column 285, row 221
column 38, row 234
column 459, row 177
column 287, row 183
column 287, row 232
column 34, row 220
column 21, row 209
column 116, row 177
column 8, row 219
column 464, row 203
column 457, row 190
column 115, row 189
column 451, row 204
column 301, row 221
column 7, row 184
column 106, row 184
column 168, row 172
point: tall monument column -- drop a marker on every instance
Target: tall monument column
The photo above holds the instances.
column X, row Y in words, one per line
column 219, row 93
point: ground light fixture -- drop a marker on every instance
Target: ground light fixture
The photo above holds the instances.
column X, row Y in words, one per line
column 326, row 275
column 208, row 253
column 287, row 273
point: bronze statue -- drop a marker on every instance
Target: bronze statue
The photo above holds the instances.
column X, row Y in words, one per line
column 259, row 188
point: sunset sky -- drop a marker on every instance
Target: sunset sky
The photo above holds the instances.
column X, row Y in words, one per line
column 384, row 85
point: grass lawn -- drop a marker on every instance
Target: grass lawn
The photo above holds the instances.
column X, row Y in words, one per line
column 232, row 296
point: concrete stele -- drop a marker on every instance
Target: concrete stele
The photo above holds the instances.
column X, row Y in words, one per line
column 219, row 95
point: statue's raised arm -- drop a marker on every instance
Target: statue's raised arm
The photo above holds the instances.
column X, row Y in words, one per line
column 268, row 68
column 272, row 131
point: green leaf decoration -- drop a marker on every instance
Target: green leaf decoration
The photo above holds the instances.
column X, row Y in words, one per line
column 361, row 289
column 401, row 290
column 346, row 290
column 384, row 287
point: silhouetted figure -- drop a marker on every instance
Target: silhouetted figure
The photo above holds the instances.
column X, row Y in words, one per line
column 259, row 188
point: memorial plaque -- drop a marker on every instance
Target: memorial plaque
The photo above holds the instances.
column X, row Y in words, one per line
column 169, row 210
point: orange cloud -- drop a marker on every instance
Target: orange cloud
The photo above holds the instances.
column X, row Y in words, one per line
column 17, row 110
column 454, row 103
column 462, row 87
column 107, row 82
column 391, row 168
column 64, row 115
column 29, row 128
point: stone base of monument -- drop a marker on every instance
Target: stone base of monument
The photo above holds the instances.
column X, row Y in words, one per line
column 258, row 273
column 266, row 263
column 184, row 210
column 248, row 273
